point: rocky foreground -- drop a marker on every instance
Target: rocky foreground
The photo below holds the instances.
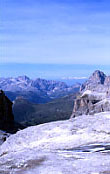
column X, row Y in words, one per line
column 80, row 145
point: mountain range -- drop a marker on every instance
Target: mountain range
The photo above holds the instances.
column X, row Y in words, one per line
column 39, row 101
column 57, row 99
column 36, row 91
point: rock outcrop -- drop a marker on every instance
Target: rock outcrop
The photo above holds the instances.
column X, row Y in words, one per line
column 90, row 104
column 107, row 81
column 94, row 95
column 3, row 136
column 6, row 115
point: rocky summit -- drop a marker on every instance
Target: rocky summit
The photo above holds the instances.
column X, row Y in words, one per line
column 94, row 96
column 98, row 81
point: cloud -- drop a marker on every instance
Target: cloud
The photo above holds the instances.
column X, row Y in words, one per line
column 73, row 78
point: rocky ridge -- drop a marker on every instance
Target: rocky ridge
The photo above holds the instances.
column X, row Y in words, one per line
column 36, row 91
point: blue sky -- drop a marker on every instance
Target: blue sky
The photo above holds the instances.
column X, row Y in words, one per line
column 55, row 32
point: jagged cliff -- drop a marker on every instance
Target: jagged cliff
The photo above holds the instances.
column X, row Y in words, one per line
column 94, row 95
column 6, row 115
column 98, row 81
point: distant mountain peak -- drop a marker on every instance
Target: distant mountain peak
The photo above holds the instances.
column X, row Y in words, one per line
column 24, row 77
column 98, row 77
column 96, row 82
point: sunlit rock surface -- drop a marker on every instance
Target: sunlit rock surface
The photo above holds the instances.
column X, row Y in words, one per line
column 91, row 102
column 94, row 95
column 78, row 146
column 98, row 81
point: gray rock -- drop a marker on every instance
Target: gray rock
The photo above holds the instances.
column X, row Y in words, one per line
column 107, row 81
column 85, row 105
column 94, row 95
column 95, row 82
column 77, row 146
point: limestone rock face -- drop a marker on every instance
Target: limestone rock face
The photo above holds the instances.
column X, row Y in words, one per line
column 107, row 81
column 95, row 82
column 6, row 115
column 94, row 95
column 98, row 77
column 85, row 104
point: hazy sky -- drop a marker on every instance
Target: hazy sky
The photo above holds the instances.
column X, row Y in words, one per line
column 55, row 31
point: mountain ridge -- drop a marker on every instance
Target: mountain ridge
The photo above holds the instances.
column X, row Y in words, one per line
column 43, row 90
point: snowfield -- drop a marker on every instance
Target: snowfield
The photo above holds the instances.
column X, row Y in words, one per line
column 60, row 147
